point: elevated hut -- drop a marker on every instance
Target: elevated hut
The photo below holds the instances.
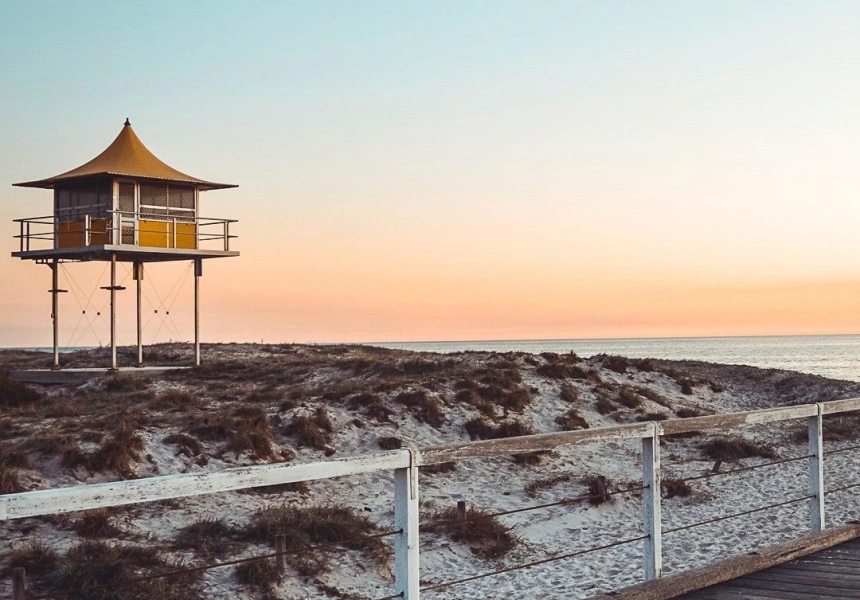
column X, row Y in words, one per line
column 125, row 205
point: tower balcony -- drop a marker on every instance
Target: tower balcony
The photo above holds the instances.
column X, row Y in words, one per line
column 130, row 236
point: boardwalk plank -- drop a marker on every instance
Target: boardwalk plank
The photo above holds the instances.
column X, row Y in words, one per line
column 829, row 574
column 729, row 573
column 802, row 580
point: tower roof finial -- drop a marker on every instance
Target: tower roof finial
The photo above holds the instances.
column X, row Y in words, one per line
column 127, row 122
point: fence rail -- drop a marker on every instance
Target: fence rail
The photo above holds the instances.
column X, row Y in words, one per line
column 120, row 228
column 405, row 464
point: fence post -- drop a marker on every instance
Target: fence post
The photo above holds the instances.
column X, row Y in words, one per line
column 406, row 573
column 651, row 505
column 281, row 549
column 19, row 584
column 461, row 510
column 816, row 472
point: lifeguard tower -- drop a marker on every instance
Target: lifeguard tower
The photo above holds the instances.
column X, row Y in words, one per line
column 125, row 205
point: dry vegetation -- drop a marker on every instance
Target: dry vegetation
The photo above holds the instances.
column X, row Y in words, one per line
column 305, row 527
column 302, row 402
column 485, row 535
column 734, row 448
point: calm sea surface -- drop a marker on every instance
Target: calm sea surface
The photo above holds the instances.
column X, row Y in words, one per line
column 835, row 356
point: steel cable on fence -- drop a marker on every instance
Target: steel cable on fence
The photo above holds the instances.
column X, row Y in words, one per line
column 740, row 514
column 838, row 450
column 609, row 494
column 842, row 488
column 188, row 570
column 534, row 507
column 535, row 563
column 741, row 469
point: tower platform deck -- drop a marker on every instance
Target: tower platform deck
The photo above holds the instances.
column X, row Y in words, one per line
column 123, row 252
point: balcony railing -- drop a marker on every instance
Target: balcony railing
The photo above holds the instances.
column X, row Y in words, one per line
column 120, row 228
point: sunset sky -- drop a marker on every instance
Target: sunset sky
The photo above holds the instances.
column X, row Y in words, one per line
column 457, row 170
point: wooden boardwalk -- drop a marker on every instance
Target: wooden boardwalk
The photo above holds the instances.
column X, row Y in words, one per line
column 829, row 574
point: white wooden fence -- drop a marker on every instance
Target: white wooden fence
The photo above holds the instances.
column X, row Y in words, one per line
column 405, row 465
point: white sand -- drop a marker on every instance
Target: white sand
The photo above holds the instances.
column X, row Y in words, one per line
column 497, row 485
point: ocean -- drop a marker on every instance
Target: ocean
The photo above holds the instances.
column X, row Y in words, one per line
column 833, row 356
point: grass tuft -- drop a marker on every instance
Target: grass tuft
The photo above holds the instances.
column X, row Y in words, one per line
column 251, row 434
column 426, row 409
column 619, row 364
column 177, row 400
column 628, row 396
column 14, row 394
column 485, row 535
column 312, row 430
column 371, row 406
column 99, row 571
column 481, row 429
column 186, row 445
column 96, row 524
column 652, row 416
column 675, row 488
column 685, row 413
column 598, row 489
column 121, row 383
column 261, row 575
column 604, row 404
column 495, row 388
column 390, row 443
column 118, row 452
column 36, row 558
column 730, row 449
column 572, row 420
column 314, row 525
column 207, row 537
column 568, row 393
column 12, row 459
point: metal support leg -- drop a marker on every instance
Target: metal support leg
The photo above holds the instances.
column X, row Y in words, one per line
column 816, row 473
column 113, row 364
column 198, row 273
column 55, row 310
column 112, row 288
column 651, row 506
column 406, row 572
column 138, row 277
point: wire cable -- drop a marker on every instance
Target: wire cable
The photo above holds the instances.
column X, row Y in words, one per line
column 838, row 450
column 535, row 507
column 740, row 514
column 531, row 564
column 842, row 488
column 733, row 471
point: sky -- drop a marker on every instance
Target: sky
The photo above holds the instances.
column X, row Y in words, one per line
column 455, row 170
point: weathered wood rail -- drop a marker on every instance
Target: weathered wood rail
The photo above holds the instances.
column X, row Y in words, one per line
column 405, row 465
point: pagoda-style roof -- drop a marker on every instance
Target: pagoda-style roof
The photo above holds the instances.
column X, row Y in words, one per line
column 127, row 157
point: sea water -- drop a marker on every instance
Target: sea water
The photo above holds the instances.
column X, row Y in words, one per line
column 833, row 356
